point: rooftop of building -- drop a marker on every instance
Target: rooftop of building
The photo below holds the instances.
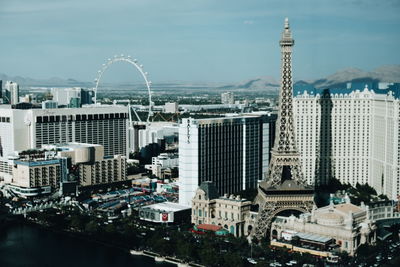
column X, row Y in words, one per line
column 347, row 208
column 37, row 162
column 38, row 108
column 30, row 155
column 209, row 227
column 223, row 119
column 314, row 237
column 377, row 87
column 166, row 206
column 73, row 145
column 168, row 156
column 234, row 198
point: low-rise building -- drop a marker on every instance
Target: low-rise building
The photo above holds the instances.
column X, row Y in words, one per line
column 35, row 172
column 162, row 165
column 165, row 212
column 382, row 210
column 89, row 164
column 345, row 226
column 229, row 212
column 38, row 175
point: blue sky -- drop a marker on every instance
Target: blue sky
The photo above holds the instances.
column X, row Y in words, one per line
column 195, row 40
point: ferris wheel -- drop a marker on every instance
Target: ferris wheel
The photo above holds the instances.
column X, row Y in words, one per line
column 139, row 67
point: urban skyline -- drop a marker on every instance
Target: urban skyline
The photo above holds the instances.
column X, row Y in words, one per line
column 200, row 174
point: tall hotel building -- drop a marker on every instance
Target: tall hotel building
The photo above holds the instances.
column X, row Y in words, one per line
column 351, row 134
column 233, row 152
column 22, row 129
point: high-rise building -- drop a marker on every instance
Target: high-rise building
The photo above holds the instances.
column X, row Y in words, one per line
column 73, row 97
column 12, row 92
column 227, row 98
column 22, row 129
column 233, row 152
column 154, row 133
column 351, row 134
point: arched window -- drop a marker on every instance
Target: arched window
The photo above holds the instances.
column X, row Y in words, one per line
column 200, row 213
column 274, row 234
column 232, row 229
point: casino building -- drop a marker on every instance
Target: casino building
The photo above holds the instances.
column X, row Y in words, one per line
column 36, row 172
column 351, row 133
column 233, row 152
column 23, row 129
column 343, row 227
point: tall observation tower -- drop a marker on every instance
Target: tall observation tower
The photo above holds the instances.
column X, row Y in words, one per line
column 284, row 187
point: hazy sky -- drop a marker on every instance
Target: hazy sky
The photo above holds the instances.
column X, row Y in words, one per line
column 195, row 40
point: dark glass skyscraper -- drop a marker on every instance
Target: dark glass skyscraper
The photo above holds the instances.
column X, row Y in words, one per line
column 233, row 152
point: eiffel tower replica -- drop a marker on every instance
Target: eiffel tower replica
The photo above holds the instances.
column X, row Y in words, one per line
column 284, row 187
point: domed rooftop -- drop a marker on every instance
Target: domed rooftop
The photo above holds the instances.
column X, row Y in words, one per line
column 330, row 218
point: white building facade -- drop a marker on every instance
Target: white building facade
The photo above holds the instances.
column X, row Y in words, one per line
column 12, row 90
column 153, row 133
column 63, row 96
column 351, row 134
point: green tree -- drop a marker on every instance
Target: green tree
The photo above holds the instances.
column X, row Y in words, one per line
column 232, row 259
column 91, row 227
column 77, row 222
column 110, row 228
column 394, row 229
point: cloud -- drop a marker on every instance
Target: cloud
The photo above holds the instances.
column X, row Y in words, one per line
column 248, row 22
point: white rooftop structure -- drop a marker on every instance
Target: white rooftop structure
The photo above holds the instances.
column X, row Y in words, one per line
column 167, row 206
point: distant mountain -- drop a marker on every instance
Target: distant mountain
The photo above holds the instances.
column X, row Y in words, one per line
column 387, row 73
column 267, row 83
column 54, row 81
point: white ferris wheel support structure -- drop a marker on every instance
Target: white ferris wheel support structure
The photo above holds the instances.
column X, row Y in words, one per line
column 139, row 67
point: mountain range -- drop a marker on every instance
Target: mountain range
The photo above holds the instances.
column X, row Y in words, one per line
column 386, row 73
column 51, row 82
